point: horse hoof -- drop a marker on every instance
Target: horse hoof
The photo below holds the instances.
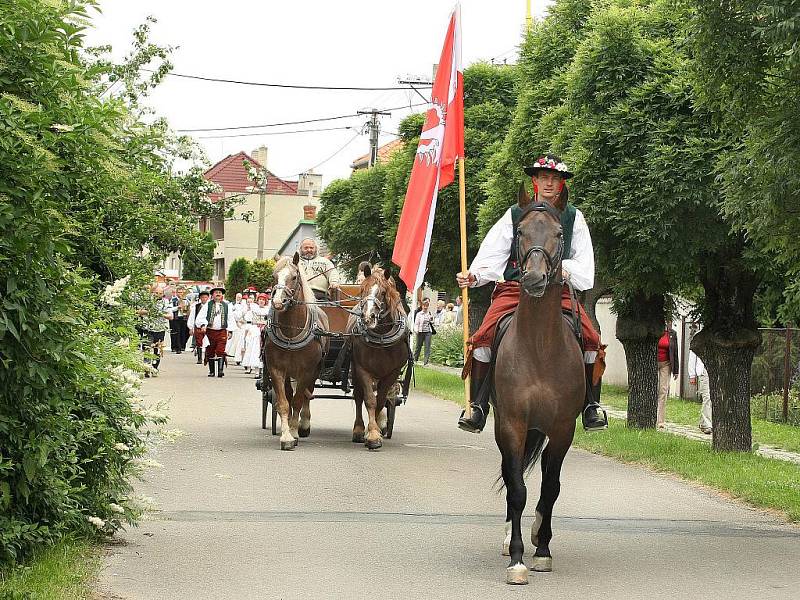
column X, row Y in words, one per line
column 304, row 432
column 542, row 564
column 384, row 431
column 517, row 575
column 358, row 438
column 290, row 445
column 373, row 444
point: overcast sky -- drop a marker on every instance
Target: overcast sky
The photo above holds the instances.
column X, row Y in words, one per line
column 309, row 42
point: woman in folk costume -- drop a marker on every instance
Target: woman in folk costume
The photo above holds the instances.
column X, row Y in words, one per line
column 235, row 348
column 216, row 322
column 255, row 318
column 496, row 260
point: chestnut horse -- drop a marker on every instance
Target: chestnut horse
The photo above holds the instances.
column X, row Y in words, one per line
column 539, row 383
column 292, row 350
column 380, row 350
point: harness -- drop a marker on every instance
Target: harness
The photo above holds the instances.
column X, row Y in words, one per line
column 311, row 330
column 380, row 340
column 567, row 219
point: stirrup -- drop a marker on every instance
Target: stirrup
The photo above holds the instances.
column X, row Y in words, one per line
column 598, row 424
column 474, row 424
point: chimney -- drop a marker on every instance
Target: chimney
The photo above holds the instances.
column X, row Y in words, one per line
column 309, row 212
column 260, row 154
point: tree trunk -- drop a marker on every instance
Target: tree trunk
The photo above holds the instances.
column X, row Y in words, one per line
column 728, row 342
column 640, row 322
column 728, row 365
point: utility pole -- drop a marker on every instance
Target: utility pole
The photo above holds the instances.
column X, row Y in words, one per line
column 528, row 17
column 374, row 127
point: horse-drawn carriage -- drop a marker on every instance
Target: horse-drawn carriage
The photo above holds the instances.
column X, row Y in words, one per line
column 344, row 318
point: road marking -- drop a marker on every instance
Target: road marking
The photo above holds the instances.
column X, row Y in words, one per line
column 444, row 446
column 567, row 523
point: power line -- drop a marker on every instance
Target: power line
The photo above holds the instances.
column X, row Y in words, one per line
column 321, row 119
column 236, row 135
column 284, row 85
column 319, row 164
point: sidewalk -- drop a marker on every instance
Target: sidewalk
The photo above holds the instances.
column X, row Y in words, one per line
column 673, row 428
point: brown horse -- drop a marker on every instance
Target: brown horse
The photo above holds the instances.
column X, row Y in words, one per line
column 380, row 350
column 292, row 350
column 539, row 382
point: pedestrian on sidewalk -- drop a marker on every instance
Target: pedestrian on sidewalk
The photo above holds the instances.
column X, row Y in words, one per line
column 667, row 365
column 423, row 327
column 216, row 321
column 699, row 376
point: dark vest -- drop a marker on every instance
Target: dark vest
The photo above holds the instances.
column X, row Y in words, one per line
column 567, row 224
column 209, row 316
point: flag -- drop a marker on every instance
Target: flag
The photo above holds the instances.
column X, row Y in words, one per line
column 441, row 144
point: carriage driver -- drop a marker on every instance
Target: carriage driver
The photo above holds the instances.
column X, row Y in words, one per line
column 320, row 272
column 496, row 259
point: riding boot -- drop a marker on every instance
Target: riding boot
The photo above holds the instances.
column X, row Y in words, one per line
column 479, row 399
column 594, row 418
column 199, row 355
column 211, row 363
column 221, row 367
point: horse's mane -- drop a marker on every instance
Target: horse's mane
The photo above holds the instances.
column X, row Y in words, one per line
column 286, row 261
column 392, row 295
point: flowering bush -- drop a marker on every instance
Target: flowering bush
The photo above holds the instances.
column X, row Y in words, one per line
column 447, row 347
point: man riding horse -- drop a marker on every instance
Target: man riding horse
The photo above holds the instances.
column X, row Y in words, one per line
column 497, row 259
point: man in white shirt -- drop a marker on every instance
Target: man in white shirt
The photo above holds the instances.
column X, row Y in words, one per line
column 496, row 260
column 320, row 272
column 198, row 334
column 216, row 322
column 699, row 376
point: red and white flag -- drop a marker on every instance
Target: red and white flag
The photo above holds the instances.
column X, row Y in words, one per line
column 441, row 144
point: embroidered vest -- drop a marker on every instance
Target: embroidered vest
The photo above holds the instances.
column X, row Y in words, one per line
column 567, row 224
column 210, row 316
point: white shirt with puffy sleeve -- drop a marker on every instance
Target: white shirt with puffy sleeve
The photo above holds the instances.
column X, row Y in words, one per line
column 490, row 262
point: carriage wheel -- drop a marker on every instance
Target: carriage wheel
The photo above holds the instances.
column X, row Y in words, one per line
column 390, row 410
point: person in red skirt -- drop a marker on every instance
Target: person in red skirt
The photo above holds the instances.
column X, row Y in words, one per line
column 198, row 334
column 496, row 262
column 215, row 320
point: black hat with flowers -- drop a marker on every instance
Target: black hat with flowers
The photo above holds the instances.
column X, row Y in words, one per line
column 549, row 162
column 218, row 288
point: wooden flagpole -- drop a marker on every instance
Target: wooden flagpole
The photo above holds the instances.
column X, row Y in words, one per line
column 462, row 197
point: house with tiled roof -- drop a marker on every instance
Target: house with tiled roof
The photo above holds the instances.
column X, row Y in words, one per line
column 384, row 153
column 263, row 219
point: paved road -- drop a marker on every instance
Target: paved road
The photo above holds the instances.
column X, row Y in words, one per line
column 240, row 519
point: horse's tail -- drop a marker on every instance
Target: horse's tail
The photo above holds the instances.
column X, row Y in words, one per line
column 534, row 446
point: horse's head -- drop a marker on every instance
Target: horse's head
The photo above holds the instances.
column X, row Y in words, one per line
column 288, row 283
column 379, row 297
column 540, row 246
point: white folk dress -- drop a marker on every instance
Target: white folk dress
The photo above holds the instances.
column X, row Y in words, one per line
column 255, row 319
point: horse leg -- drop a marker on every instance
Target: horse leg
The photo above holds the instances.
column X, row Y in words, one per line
column 296, row 403
column 542, row 532
column 282, row 406
column 305, row 414
column 374, row 439
column 358, row 425
column 384, row 385
column 512, row 448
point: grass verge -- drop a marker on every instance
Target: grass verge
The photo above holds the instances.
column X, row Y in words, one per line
column 759, row 481
column 62, row 572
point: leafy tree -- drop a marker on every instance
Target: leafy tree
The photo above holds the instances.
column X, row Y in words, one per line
column 260, row 276
column 85, row 183
column 198, row 259
column 747, row 71
column 238, row 276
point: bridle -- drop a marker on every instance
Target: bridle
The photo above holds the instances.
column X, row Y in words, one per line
column 553, row 261
column 397, row 331
column 288, row 299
